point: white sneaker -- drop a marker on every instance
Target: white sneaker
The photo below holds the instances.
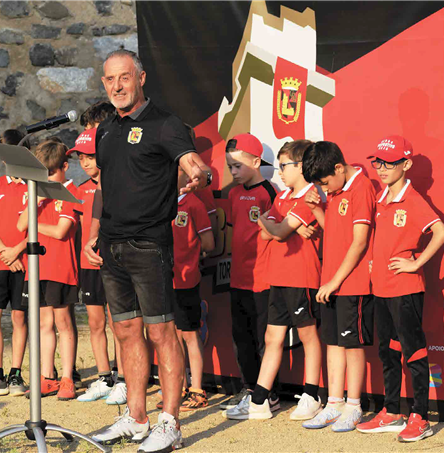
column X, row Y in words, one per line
column 164, row 436
column 96, row 391
column 125, row 427
column 307, row 407
column 329, row 415
column 351, row 416
column 117, row 394
column 247, row 410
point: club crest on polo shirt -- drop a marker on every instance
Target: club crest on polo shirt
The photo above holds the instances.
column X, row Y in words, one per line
column 254, row 214
column 58, row 205
column 343, row 206
column 400, row 218
column 135, row 135
column 181, row 219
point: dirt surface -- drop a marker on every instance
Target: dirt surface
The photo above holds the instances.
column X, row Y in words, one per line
column 204, row 431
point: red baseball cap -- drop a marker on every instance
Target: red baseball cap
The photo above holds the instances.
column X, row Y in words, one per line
column 249, row 144
column 393, row 148
column 85, row 143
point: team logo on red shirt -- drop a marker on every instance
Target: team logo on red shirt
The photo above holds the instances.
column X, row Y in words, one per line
column 343, row 206
column 58, row 205
column 400, row 218
column 135, row 135
column 255, row 213
column 288, row 101
column 181, row 219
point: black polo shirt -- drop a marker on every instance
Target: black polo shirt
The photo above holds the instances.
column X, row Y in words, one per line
column 138, row 157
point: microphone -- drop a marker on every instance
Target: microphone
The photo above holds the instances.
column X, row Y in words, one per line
column 50, row 123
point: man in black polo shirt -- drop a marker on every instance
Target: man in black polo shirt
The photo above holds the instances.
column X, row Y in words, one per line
column 138, row 151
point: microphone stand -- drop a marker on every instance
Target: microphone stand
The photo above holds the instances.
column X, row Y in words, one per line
column 37, row 179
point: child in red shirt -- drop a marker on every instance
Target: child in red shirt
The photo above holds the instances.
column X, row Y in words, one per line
column 402, row 217
column 252, row 197
column 292, row 301
column 345, row 296
column 192, row 234
column 57, row 222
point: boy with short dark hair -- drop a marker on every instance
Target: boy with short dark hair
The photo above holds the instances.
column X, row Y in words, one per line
column 347, row 303
column 57, row 220
column 402, row 218
column 292, row 301
column 252, row 197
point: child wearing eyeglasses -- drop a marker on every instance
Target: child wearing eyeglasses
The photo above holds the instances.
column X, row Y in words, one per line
column 402, row 217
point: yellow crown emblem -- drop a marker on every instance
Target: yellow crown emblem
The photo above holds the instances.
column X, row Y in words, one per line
column 291, row 83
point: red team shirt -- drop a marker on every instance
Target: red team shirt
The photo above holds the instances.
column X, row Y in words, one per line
column 354, row 204
column 250, row 252
column 12, row 202
column 191, row 220
column 207, row 198
column 399, row 228
column 86, row 193
column 293, row 262
column 59, row 264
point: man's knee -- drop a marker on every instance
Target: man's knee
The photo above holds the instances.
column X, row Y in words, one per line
column 162, row 333
column 129, row 329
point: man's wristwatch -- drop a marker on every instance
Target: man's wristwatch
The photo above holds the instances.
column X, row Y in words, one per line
column 209, row 178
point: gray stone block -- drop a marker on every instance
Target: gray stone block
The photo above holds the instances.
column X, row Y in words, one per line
column 3, row 116
column 10, row 36
column 68, row 136
column 67, row 56
column 41, row 55
column 11, row 84
column 106, row 44
column 65, row 80
column 39, row 31
column 54, row 10
column 76, row 29
column 97, row 31
column 4, row 58
column 37, row 111
column 115, row 29
column 104, row 7
column 14, row 8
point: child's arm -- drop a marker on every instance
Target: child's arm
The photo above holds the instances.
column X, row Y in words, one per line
column 10, row 254
column 280, row 231
column 412, row 265
column 207, row 241
column 361, row 233
column 58, row 231
column 314, row 202
column 93, row 258
column 265, row 235
column 22, row 224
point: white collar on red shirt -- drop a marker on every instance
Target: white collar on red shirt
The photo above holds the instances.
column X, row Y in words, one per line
column 398, row 197
column 300, row 194
column 181, row 197
column 67, row 183
column 10, row 180
column 350, row 181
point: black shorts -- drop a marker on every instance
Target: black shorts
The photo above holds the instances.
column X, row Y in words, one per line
column 91, row 285
column 11, row 287
column 187, row 311
column 138, row 280
column 292, row 306
column 347, row 321
column 53, row 294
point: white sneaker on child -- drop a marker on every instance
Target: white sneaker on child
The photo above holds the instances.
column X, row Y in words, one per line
column 351, row 416
column 329, row 415
column 247, row 410
column 117, row 394
column 96, row 391
column 307, row 407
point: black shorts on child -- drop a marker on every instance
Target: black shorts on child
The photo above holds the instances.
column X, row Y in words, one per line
column 53, row 294
column 11, row 287
column 291, row 307
column 347, row 321
column 91, row 284
column 187, row 311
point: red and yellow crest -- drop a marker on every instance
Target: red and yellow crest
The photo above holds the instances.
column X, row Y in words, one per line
column 343, row 206
column 255, row 213
column 400, row 218
column 181, row 219
column 135, row 135
column 58, row 205
column 288, row 100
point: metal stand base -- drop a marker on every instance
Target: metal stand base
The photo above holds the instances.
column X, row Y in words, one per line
column 37, row 432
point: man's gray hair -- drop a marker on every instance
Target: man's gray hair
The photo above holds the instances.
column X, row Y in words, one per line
column 125, row 53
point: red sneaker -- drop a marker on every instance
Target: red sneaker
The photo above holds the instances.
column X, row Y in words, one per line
column 67, row 390
column 383, row 423
column 417, row 429
column 48, row 387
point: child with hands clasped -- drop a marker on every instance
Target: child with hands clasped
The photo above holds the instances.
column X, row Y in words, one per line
column 402, row 217
column 292, row 294
column 345, row 296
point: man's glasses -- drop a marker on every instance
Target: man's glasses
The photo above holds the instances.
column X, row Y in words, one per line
column 282, row 166
column 378, row 163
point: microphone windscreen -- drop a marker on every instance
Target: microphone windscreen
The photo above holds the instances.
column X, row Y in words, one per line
column 72, row 115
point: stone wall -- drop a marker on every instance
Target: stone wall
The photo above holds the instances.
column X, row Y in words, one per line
column 51, row 56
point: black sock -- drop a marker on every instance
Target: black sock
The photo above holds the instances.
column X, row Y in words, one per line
column 107, row 376
column 2, row 376
column 260, row 394
column 120, row 378
column 15, row 372
column 114, row 369
column 311, row 390
column 51, row 378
